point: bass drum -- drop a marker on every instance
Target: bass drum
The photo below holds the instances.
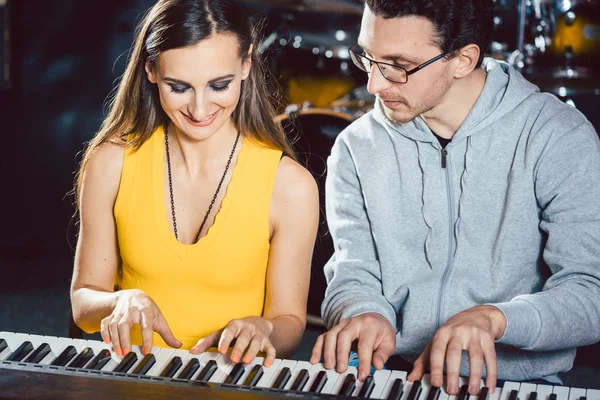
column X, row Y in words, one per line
column 312, row 133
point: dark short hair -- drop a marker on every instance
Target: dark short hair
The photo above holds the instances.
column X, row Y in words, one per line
column 457, row 23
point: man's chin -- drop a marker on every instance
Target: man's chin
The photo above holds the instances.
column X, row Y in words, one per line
column 398, row 117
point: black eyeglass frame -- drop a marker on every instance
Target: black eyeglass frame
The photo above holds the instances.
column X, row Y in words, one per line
column 352, row 50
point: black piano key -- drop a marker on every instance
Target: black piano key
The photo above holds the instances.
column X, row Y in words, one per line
column 82, row 358
column 300, row 381
column 582, row 398
column 514, row 395
column 348, row 386
column 100, row 360
column 38, row 354
column 208, row 371
column 397, row 390
column 126, row 363
column 319, row 382
column 367, row 387
column 172, row 368
column 282, row 379
column 190, row 369
column 552, row 396
column 21, row 352
column 65, row 356
column 235, row 374
column 533, row 396
column 255, row 374
column 144, row 366
column 434, row 393
column 3, row 345
column 484, row 394
column 463, row 394
column 415, row 391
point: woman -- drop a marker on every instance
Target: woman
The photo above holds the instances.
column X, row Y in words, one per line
column 191, row 200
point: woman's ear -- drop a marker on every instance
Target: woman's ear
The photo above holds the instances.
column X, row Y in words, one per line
column 150, row 72
column 247, row 66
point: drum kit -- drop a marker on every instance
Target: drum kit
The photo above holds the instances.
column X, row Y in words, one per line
column 554, row 43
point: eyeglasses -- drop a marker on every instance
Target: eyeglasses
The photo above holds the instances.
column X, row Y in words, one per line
column 391, row 72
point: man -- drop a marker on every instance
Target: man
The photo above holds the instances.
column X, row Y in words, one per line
column 464, row 209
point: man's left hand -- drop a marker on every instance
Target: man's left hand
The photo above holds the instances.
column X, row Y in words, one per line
column 473, row 330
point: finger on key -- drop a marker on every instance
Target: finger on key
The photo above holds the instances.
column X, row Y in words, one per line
column 227, row 336
column 366, row 344
column 271, row 353
column 344, row 343
column 329, row 349
column 420, row 366
column 383, row 352
column 315, row 356
column 437, row 357
column 475, row 367
column 113, row 328
column 146, row 325
column 453, row 360
column 124, row 334
column 256, row 344
column 491, row 366
column 241, row 344
column 104, row 331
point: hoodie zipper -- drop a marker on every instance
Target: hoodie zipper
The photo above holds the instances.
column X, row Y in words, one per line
column 450, row 196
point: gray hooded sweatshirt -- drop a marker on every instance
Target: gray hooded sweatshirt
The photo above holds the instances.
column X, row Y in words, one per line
column 508, row 214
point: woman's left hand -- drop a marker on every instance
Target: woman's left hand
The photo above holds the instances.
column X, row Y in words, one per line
column 251, row 334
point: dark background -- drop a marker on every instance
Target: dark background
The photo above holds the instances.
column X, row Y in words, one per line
column 64, row 58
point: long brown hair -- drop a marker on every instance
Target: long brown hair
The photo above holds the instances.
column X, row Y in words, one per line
column 134, row 110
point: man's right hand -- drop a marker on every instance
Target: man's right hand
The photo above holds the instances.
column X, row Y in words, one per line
column 135, row 307
column 376, row 343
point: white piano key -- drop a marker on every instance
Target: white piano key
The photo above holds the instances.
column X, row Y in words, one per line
column 300, row 365
column 332, row 375
column 576, row 393
column 267, row 372
column 257, row 361
column 380, row 377
column 461, row 382
column 162, row 356
column 390, row 382
column 12, row 343
column 496, row 395
column 526, row 389
column 544, row 391
column 270, row 376
column 224, row 367
column 340, row 380
column 509, row 387
column 562, row 393
column 593, row 394
column 425, row 387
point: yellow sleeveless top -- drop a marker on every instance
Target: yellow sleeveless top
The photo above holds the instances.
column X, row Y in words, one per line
column 198, row 287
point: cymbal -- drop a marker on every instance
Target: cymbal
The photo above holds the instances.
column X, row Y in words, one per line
column 327, row 6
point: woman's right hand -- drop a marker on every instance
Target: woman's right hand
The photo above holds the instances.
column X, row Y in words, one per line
column 135, row 307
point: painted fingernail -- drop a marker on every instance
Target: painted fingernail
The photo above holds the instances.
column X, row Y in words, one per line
column 106, row 340
column 118, row 351
column 125, row 351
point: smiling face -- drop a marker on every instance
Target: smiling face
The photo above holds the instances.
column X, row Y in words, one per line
column 199, row 86
column 406, row 42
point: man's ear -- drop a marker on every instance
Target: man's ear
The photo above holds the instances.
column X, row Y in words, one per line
column 467, row 59
column 150, row 72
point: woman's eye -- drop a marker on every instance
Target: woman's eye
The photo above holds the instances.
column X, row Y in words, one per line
column 220, row 87
column 178, row 89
